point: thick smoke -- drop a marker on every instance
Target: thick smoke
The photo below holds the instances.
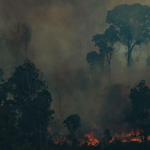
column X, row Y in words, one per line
column 61, row 38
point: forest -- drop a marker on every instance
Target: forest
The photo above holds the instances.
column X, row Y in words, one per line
column 91, row 108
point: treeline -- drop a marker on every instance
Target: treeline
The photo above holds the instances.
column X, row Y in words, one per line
column 25, row 110
column 25, row 115
column 129, row 25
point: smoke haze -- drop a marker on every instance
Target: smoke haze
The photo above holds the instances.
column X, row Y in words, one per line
column 62, row 31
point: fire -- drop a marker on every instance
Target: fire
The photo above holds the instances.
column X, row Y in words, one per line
column 133, row 136
column 59, row 140
column 90, row 139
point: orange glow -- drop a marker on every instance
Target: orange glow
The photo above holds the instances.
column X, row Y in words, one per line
column 133, row 136
column 59, row 140
column 90, row 139
column 58, row 117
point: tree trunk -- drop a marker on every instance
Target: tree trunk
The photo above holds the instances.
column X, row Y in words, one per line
column 109, row 63
column 26, row 48
column 109, row 75
column 41, row 138
column 129, row 55
column 59, row 98
column 129, row 52
column 129, row 58
column 129, row 64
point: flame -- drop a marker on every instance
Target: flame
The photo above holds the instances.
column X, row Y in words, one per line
column 133, row 136
column 90, row 140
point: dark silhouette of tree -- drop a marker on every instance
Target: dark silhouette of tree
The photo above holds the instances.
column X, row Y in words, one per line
column 95, row 60
column 148, row 61
column 132, row 24
column 105, row 44
column 21, row 34
column 107, row 136
column 140, row 115
column 26, row 37
column 17, row 39
column 73, row 122
column 8, row 132
column 33, row 101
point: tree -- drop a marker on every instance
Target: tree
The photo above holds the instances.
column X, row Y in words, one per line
column 105, row 44
column 106, row 139
column 22, row 34
column 17, row 39
column 8, row 132
column 132, row 23
column 33, row 101
column 107, row 136
column 26, row 37
column 95, row 60
column 140, row 115
column 73, row 122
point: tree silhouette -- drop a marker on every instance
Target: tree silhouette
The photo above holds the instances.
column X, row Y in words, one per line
column 73, row 122
column 105, row 44
column 107, row 136
column 8, row 132
column 140, row 115
column 26, row 37
column 132, row 24
column 95, row 60
column 33, row 101
column 17, row 39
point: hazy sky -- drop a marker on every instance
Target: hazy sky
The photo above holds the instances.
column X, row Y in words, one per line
column 61, row 29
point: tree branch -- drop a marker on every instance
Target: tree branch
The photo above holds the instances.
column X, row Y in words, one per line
column 133, row 46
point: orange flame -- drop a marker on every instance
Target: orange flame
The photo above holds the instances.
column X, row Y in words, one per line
column 133, row 136
column 90, row 140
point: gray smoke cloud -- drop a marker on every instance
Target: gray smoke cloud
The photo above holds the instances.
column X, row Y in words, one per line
column 61, row 38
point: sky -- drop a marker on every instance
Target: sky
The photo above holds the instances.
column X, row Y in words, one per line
column 62, row 32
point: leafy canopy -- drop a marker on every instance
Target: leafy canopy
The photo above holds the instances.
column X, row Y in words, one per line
column 72, row 123
column 131, row 21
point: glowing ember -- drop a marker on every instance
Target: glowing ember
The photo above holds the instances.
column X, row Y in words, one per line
column 59, row 140
column 58, row 117
column 133, row 136
column 90, row 140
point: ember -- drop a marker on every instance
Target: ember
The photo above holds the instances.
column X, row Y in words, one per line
column 133, row 136
column 90, row 140
column 59, row 140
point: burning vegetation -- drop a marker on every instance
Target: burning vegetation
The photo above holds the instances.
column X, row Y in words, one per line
column 138, row 119
column 26, row 116
column 90, row 139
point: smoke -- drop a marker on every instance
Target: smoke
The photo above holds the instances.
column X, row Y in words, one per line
column 61, row 38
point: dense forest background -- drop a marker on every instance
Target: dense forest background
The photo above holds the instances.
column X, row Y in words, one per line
column 69, row 68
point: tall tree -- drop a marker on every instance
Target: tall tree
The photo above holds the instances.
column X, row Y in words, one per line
column 73, row 122
column 26, row 37
column 105, row 43
column 140, row 115
column 8, row 132
column 132, row 22
column 33, row 101
column 107, row 136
